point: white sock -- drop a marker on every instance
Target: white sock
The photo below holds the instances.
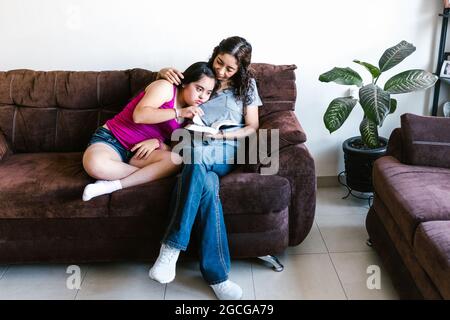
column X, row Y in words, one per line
column 100, row 187
column 227, row 290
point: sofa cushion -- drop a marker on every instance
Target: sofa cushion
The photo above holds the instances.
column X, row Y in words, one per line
column 276, row 87
column 46, row 185
column 432, row 249
column 137, row 200
column 50, row 185
column 58, row 111
column 398, row 255
column 426, row 140
column 413, row 194
column 240, row 193
column 4, row 148
column 252, row 193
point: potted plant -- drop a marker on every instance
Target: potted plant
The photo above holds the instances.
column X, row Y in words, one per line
column 360, row 152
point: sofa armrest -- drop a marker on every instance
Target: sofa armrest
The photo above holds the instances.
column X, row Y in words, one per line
column 4, row 148
column 291, row 160
column 291, row 131
column 395, row 144
column 297, row 165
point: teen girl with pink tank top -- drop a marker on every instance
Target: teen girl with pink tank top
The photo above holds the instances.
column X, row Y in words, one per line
column 130, row 149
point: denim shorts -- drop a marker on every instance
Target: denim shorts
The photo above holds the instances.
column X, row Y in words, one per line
column 103, row 135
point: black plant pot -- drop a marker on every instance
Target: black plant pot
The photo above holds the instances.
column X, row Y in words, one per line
column 359, row 163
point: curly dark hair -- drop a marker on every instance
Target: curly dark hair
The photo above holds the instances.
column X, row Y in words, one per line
column 241, row 49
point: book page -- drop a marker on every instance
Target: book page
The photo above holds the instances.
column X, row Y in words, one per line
column 200, row 126
column 198, row 121
column 195, row 127
column 221, row 123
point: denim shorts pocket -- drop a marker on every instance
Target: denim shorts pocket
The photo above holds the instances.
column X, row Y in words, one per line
column 103, row 135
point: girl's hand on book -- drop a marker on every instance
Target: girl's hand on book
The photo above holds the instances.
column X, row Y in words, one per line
column 145, row 148
column 190, row 112
column 217, row 136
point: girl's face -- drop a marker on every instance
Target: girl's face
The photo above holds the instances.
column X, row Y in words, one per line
column 198, row 92
column 225, row 66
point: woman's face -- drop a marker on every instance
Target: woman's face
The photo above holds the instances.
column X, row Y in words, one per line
column 225, row 66
column 198, row 92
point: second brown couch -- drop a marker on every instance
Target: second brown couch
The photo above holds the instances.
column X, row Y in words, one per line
column 409, row 222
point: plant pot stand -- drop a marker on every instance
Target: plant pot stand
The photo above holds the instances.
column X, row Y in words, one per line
column 350, row 191
column 358, row 166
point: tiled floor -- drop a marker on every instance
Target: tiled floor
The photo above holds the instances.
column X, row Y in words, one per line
column 332, row 263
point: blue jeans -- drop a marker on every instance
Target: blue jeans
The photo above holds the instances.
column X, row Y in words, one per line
column 196, row 199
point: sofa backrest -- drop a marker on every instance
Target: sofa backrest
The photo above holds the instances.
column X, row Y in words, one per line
column 426, row 140
column 57, row 111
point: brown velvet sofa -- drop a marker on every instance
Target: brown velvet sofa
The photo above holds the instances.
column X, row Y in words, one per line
column 46, row 120
column 409, row 222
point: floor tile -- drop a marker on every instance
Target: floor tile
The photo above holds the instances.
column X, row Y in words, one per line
column 41, row 282
column 313, row 243
column 241, row 273
column 3, row 269
column 344, row 233
column 306, row 276
column 357, row 274
column 120, row 281
column 190, row 285
column 331, row 263
column 330, row 202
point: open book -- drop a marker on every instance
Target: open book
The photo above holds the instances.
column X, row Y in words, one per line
column 200, row 126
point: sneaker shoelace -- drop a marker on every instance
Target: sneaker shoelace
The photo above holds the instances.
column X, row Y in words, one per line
column 167, row 255
column 223, row 286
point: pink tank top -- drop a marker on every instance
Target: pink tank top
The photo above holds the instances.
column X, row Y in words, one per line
column 129, row 133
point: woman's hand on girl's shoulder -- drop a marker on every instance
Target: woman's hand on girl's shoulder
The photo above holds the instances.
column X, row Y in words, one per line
column 172, row 75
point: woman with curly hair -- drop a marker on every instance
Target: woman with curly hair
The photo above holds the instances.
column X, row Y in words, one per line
column 196, row 194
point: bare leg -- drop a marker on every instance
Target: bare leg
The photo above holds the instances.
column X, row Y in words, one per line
column 158, row 165
column 102, row 162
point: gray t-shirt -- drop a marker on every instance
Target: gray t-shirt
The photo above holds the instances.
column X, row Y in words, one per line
column 223, row 106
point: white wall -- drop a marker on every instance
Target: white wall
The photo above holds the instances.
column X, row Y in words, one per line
column 315, row 35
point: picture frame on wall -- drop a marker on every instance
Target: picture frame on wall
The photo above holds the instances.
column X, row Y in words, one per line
column 445, row 70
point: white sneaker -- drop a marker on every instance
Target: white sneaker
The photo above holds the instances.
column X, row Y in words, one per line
column 163, row 270
column 227, row 290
